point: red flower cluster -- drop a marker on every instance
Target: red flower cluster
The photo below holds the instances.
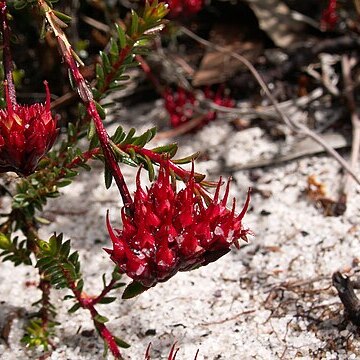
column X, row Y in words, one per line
column 329, row 16
column 171, row 231
column 180, row 104
column 26, row 134
column 179, row 8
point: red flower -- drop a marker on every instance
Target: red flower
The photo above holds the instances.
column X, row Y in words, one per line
column 171, row 231
column 180, row 104
column 179, row 8
column 329, row 17
column 26, row 134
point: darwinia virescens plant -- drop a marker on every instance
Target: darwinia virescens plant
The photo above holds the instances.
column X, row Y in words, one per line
column 164, row 229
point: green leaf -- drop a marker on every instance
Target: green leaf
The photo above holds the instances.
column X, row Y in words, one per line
column 62, row 16
column 19, row 4
column 150, row 168
column 121, row 36
column 92, row 130
column 56, row 277
column 134, row 23
column 100, row 110
column 55, row 243
column 70, row 173
column 65, row 249
column 114, row 50
column 129, row 136
column 63, row 183
column 169, row 149
column 71, row 129
column 44, row 261
column 73, row 258
column 80, row 285
column 74, row 308
column 133, row 289
column 187, row 159
column 121, row 343
column 118, row 136
column 105, row 62
column 99, row 76
column 107, row 300
column 5, row 242
column 119, row 285
column 101, row 319
column 104, row 279
column 144, row 138
column 85, row 166
column 108, row 177
column 116, row 85
column 115, row 274
column 94, row 142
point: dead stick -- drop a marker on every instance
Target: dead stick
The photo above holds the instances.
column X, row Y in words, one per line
column 347, row 296
column 347, row 65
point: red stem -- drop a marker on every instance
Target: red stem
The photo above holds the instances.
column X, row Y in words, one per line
column 115, row 68
column 105, row 333
column 8, row 64
column 106, row 289
column 45, row 287
column 147, row 70
column 87, row 98
column 159, row 158
column 88, row 303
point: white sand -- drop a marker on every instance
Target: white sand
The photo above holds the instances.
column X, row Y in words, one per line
column 241, row 307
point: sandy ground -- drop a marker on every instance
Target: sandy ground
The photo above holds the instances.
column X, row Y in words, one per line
column 272, row 299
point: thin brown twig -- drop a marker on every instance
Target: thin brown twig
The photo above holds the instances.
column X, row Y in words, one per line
column 292, row 124
column 182, row 129
column 245, row 312
column 347, row 65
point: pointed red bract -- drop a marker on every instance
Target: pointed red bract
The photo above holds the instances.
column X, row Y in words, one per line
column 172, row 231
column 26, row 134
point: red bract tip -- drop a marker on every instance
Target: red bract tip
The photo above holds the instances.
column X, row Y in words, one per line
column 173, row 231
column 26, row 134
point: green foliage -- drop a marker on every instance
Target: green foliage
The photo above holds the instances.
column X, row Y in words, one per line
column 20, row 4
column 120, row 342
column 14, row 251
column 58, row 265
column 133, row 289
column 123, row 47
column 36, row 335
column 32, row 193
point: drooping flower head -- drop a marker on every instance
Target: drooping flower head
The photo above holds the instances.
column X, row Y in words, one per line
column 171, row 231
column 27, row 132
